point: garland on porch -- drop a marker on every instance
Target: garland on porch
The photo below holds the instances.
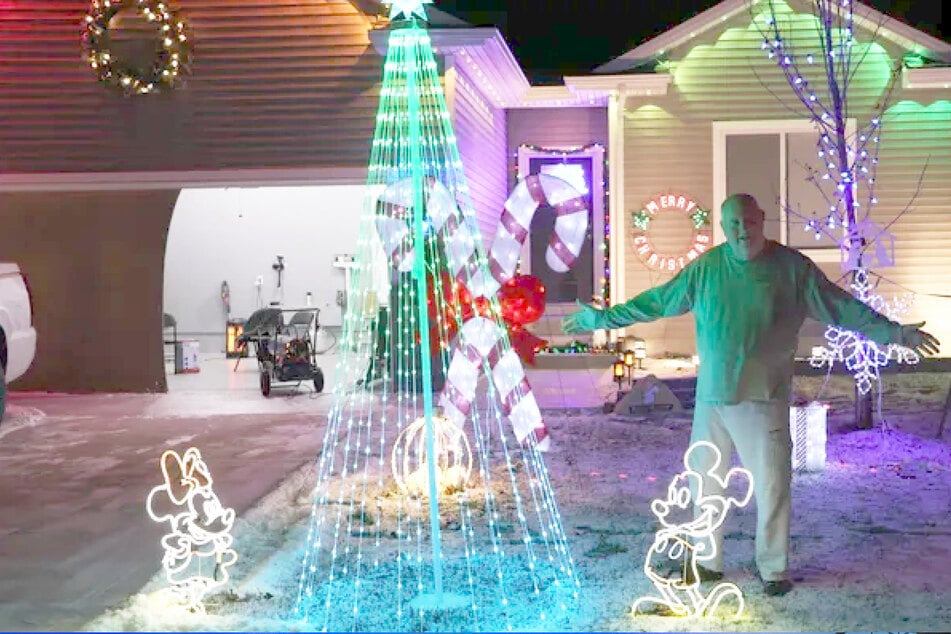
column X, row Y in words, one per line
column 171, row 57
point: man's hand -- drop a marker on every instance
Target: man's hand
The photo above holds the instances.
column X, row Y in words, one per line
column 912, row 336
column 583, row 320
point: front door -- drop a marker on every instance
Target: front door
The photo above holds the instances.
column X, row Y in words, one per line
column 577, row 282
column 583, row 169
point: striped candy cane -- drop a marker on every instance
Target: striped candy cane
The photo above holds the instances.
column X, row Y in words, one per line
column 481, row 340
column 392, row 224
column 485, row 337
column 571, row 224
column 441, row 213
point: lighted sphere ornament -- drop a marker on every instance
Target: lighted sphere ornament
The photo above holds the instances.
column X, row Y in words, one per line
column 171, row 55
column 688, row 517
column 197, row 548
column 699, row 236
column 453, row 458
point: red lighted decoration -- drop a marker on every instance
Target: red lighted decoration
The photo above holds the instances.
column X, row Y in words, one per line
column 698, row 231
column 521, row 301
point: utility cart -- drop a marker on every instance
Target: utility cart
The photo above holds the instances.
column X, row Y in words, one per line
column 285, row 351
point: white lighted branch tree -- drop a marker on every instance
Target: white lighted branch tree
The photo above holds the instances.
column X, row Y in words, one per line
column 822, row 59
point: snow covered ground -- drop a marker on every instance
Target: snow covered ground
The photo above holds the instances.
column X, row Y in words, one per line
column 74, row 536
column 870, row 535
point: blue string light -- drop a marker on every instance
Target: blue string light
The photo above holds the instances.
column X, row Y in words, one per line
column 369, row 551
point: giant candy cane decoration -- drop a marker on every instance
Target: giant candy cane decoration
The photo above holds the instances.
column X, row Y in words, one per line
column 566, row 241
column 571, row 224
column 480, row 338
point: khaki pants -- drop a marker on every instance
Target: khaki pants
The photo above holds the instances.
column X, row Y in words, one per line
column 759, row 430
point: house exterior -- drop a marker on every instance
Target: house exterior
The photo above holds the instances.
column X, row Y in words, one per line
column 700, row 111
column 286, row 94
column 277, row 94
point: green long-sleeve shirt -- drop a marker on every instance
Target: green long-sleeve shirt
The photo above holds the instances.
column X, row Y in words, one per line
column 748, row 315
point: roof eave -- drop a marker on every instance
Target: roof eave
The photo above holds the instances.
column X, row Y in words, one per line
column 594, row 91
column 674, row 37
column 907, row 37
column 485, row 53
column 938, row 78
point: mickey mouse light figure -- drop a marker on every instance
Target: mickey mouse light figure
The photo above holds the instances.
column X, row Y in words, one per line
column 198, row 549
column 692, row 541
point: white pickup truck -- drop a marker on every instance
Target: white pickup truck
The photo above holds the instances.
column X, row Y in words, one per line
column 17, row 335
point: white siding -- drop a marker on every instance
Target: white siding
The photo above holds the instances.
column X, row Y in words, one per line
column 724, row 76
column 481, row 135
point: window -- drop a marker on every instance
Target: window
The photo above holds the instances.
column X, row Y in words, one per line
column 776, row 162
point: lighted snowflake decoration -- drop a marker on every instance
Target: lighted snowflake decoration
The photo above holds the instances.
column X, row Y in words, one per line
column 863, row 357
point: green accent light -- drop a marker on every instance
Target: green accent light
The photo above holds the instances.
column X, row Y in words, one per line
column 705, row 68
column 642, row 219
column 914, row 60
column 369, row 539
column 700, row 218
column 575, row 347
column 907, row 110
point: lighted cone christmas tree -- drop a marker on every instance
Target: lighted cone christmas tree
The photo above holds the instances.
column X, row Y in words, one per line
column 433, row 507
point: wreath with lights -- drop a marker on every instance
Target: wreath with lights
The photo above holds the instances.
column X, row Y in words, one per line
column 701, row 233
column 171, row 57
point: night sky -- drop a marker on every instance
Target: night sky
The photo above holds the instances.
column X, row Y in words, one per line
column 553, row 38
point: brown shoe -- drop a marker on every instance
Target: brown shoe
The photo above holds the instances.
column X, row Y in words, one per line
column 705, row 574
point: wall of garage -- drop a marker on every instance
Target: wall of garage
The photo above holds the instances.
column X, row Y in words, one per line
column 94, row 260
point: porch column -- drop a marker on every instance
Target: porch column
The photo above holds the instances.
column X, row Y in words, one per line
column 616, row 202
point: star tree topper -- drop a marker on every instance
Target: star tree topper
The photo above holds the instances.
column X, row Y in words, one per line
column 407, row 8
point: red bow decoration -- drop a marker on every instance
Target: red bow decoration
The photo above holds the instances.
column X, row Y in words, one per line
column 521, row 299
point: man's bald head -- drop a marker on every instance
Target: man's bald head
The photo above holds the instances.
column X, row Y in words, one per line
column 742, row 221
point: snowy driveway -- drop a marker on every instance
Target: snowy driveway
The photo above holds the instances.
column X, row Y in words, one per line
column 75, row 538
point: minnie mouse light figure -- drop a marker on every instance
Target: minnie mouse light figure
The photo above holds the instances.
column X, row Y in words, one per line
column 198, row 549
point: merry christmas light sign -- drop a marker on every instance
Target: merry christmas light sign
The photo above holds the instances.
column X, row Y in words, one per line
column 697, row 223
